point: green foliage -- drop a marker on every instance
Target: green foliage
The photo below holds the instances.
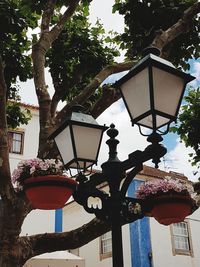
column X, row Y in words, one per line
column 144, row 18
column 15, row 19
column 79, row 48
column 188, row 127
column 78, row 55
column 15, row 116
column 14, row 43
column 37, row 6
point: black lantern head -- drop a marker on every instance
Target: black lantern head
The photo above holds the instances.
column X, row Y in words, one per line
column 78, row 140
column 152, row 91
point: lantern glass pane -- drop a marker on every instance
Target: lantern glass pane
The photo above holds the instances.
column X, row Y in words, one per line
column 87, row 141
column 64, row 143
column 168, row 90
column 78, row 164
column 148, row 121
column 160, row 121
column 136, row 93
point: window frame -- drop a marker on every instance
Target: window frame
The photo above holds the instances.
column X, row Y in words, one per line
column 104, row 255
column 177, row 251
column 11, row 139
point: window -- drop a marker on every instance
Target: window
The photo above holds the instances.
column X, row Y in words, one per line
column 181, row 239
column 106, row 245
column 16, row 142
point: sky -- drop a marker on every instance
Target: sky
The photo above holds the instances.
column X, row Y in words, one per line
column 130, row 140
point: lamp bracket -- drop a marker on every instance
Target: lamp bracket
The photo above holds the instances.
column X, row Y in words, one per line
column 134, row 159
column 130, row 176
column 132, row 209
column 98, row 202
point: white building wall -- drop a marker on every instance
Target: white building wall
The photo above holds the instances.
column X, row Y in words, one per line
column 75, row 216
column 194, row 221
column 162, row 244
column 31, row 135
column 38, row 221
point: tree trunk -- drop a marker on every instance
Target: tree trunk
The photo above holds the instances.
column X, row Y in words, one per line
column 9, row 263
column 5, row 260
column 14, row 250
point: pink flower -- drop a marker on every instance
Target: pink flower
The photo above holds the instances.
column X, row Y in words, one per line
column 158, row 186
column 32, row 169
column 35, row 167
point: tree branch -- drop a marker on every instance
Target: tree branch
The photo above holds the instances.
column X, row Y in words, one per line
column 182, row 26
column 56, row 30
column 38, row 55
column 6, row 189
column 62, row 88
column 44, row 100
column 54, row 103
column 109, row 96
column 47, row 15
column 90, row 89
column 50, row 242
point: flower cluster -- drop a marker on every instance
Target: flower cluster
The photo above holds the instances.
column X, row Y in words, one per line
column 151, row 188
column 35, row 167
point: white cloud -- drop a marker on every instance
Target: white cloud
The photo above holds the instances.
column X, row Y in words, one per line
column 178, row 160
column 111, row 22
column 129, row 137
column 28, row 94
column 196, row 73
column 103, row 10
column 196, row 70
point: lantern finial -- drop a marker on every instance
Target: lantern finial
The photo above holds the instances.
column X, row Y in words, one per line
column 151, row 50
column 77, row 108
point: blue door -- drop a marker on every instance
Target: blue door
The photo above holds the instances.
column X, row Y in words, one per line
column 141, row 253
column 58, row 220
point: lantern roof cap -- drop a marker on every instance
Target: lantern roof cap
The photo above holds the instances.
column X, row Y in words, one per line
column 81, row 117
column 77, row 115
column 154, row 61
column 78, row 118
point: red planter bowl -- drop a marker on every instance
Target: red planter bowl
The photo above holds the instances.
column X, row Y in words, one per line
column 49, row 192
column 171, row 209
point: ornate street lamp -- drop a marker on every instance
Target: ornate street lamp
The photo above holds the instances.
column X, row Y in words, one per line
column 152, row 92
column 79, row 139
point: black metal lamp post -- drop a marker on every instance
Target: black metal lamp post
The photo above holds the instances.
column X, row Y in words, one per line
column 143, row 90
